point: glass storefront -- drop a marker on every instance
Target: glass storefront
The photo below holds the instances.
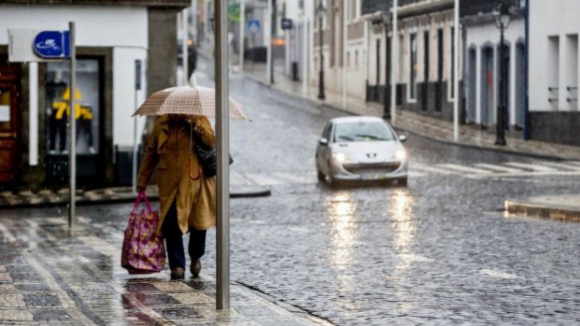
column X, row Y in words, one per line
column 58, row 107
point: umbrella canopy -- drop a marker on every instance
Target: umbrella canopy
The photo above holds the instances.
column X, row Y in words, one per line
column 190, row 99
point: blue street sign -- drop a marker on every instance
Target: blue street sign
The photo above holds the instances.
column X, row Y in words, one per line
column 52, row 44
column 253, row 25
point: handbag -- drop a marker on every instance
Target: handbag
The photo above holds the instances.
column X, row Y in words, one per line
column 207, row 157
column 143, row 249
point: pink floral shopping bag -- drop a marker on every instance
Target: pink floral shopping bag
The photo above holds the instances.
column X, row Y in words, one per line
column 143, row 250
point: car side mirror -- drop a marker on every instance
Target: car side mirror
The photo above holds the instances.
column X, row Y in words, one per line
column 323, row 141
column 402, row 138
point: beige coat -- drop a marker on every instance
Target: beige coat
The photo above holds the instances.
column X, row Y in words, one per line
column 179, row 174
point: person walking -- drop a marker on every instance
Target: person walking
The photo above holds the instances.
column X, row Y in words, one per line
column 191, row 59
column 187, row 197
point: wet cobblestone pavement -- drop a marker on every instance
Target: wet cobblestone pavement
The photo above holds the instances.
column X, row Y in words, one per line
column 48, row 277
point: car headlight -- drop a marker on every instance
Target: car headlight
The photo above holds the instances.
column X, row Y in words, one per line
column 400, row 154
column 341, row 157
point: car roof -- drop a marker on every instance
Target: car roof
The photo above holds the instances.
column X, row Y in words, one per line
column 356, row 119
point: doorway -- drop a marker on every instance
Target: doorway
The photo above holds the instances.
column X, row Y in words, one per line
column 9, row 121
column 487, row 87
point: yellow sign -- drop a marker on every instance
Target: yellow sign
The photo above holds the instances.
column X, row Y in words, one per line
column 64, row 106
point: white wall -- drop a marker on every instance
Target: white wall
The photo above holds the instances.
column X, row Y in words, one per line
column 483, row 35
column 551, row 19
column 123, row 28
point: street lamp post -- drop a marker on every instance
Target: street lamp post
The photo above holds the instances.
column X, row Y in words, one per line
column 321, row 12
column 387, row 92
column 502, row 21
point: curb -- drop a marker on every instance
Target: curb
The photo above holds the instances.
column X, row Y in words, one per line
column 243, row 192
column 542, row 211
column 251, row 192
column 415, row 133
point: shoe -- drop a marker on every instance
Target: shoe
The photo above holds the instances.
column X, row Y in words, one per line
column 178, row 273
column 195, row 268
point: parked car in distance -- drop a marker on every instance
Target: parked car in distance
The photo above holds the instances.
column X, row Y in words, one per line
column 360, row 149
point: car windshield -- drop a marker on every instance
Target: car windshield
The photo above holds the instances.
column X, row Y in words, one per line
column 363, row 131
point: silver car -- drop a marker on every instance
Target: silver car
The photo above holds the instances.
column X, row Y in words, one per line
column 360, row 149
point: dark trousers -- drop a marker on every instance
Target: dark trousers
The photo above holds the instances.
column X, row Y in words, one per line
column 174, row 240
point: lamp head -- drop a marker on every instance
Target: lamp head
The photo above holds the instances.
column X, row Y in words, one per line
column 502, row 15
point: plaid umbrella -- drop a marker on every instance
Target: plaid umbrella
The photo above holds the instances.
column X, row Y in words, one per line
column 190, row 99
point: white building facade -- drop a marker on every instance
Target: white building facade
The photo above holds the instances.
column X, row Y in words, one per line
column 482, row 48
column 554, row 71
column 425, row 67
column 107, row 74
column 343, row 47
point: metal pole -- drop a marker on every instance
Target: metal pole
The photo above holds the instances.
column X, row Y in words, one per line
column 321, row 95
column 134, row 179
column 456, row 74
column 268, row 29
column 242, row 33
column 73, row 139
column 344, row 52
column 184, row 46
column 394, row 58
column 305, row 52
column 387, row 92
column 222, row 146
column 500, row 139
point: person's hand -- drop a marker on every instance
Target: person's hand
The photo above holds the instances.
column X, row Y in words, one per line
column 197, row 127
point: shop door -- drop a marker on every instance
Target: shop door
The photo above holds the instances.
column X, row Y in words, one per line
column 9, row 137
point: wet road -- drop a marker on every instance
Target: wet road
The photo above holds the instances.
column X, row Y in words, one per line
column 438, row 252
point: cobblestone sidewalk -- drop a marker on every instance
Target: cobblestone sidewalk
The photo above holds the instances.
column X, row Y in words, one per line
column 48, row 277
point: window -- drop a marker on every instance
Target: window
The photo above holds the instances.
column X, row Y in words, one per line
column 362, row 131
column 401, row 59
column 356, row 58
column 348, row 59
column 86, row 108
column 413, row 67
column 553, row 70
column 326, row 131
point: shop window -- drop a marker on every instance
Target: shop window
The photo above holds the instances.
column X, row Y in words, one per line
column 87, row 106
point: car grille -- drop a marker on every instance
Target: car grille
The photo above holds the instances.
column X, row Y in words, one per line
column 362, row 168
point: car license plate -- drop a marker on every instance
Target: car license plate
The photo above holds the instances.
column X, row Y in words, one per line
column 372, row 176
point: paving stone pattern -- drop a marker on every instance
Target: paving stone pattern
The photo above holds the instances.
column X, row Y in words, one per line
column 48, row 277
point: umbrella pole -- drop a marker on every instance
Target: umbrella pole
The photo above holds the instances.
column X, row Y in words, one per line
column 222, row 147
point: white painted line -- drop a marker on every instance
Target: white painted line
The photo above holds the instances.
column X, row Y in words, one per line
column 427, row 168
column 526, row 174
column 464, row 169
column 415, row 174
column 497, row 168
column 533, row 167
column 562, row 165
